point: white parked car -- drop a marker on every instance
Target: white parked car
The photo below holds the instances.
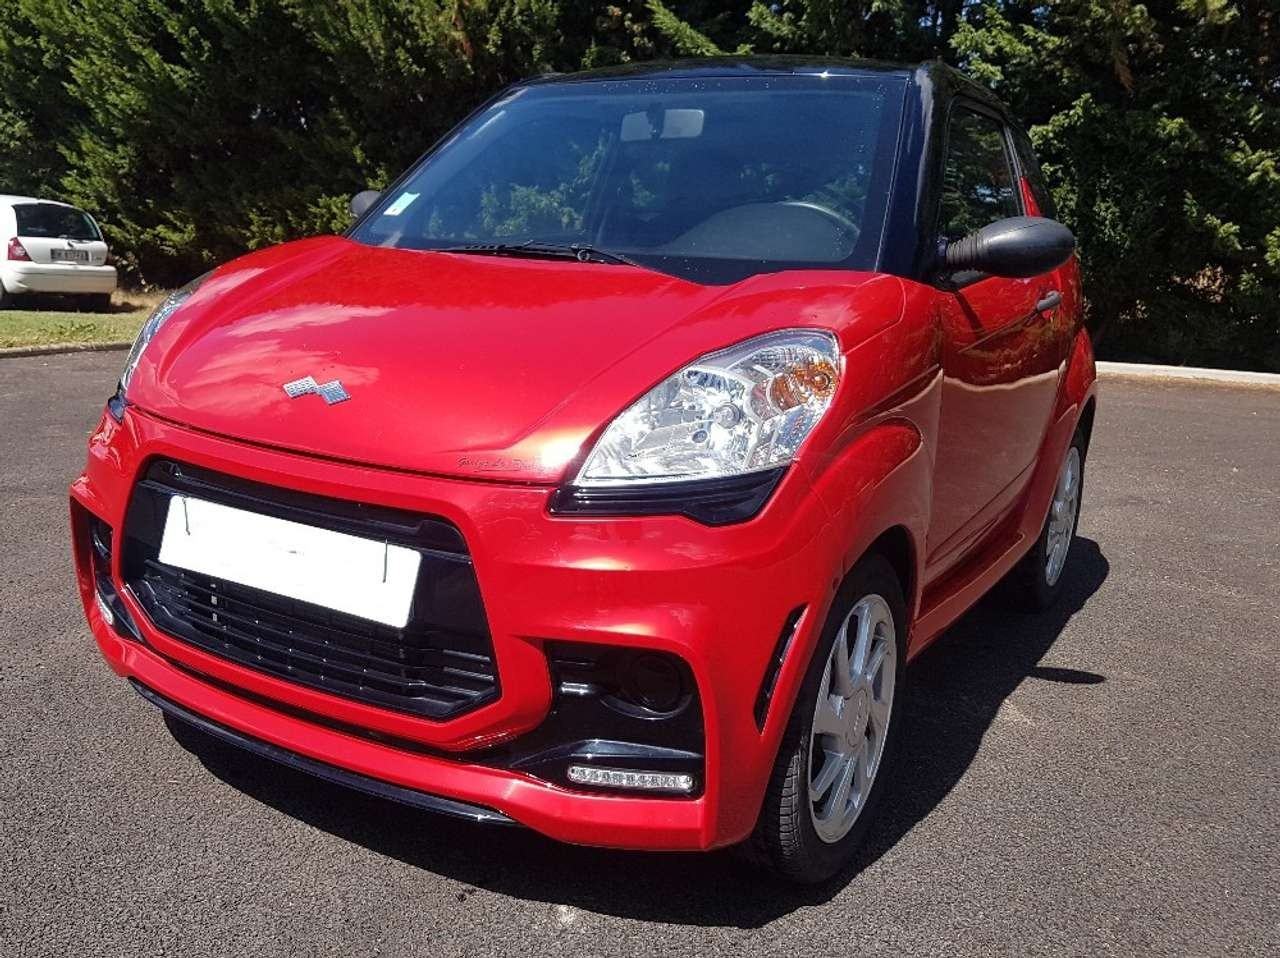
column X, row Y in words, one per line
column 51, row 247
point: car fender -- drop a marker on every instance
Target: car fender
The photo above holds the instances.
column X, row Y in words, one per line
column 874, row 474
column 880, row 483
column 1080, row 384
column 1079, row 389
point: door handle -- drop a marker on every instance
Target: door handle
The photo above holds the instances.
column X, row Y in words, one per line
column 1050, row 300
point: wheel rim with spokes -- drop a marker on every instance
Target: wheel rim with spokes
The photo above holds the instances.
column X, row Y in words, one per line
column 1062, row 517
column 851, row 717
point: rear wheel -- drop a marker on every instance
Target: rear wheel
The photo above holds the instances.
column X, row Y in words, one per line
column 98, row 302
column 1037, row 580
column 6, row 299
column 836, row 752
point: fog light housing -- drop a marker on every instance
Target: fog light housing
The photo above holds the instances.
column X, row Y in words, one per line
column 104, row 609
column 626, row 778
column 97, row 539
column 655, row 682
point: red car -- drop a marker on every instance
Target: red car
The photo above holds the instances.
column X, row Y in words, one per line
column 606, row 475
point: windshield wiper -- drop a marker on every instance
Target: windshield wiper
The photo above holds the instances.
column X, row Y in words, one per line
column 582, row 252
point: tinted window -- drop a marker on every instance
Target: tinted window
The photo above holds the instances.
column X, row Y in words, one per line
column 764, row 174
column 977, row 184
column 49, row 219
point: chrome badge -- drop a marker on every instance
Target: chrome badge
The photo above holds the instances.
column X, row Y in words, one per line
column 331, row 392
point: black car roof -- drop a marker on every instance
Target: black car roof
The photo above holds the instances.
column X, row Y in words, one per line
column 736, row 65
column 934, row 76
column 727, row 66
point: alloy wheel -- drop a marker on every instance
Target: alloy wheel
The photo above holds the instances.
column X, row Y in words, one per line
column 1062, row 517
column 851, row 717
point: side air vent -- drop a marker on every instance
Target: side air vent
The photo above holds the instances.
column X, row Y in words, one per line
column 774, row 669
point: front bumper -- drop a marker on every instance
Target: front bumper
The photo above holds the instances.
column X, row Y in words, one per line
column 332, row 773
column 718, row 598
column 21, row 278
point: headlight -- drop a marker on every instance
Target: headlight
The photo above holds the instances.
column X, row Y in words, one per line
column 159, row 316
column 741, row 410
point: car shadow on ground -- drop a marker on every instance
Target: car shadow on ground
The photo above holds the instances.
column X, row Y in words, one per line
column 956, row 688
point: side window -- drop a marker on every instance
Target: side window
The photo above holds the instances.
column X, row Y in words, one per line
column 977, row 183
column 1035, row 178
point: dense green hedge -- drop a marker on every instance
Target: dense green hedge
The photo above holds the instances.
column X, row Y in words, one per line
column 199, row 128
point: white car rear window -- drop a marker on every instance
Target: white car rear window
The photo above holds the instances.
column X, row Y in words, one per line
column 55, row 222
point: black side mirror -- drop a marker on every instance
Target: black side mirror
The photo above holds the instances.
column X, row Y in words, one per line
column 1017, row 247
column 362, row 201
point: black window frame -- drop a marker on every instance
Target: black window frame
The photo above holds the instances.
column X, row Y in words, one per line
column 1029, row 169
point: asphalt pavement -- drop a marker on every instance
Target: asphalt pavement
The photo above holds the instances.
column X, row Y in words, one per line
column 1103, row 779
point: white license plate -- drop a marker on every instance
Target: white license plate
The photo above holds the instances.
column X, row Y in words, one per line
column 69, row 255
column 362, row 577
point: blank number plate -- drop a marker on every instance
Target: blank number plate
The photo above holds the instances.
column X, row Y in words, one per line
column 362, row 577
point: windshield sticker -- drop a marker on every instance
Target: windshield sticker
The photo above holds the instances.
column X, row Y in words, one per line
column 400, row 205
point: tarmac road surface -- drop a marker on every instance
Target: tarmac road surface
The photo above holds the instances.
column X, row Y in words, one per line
column 1103, row 779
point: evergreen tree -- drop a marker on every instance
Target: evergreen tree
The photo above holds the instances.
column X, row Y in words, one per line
column 197, row 129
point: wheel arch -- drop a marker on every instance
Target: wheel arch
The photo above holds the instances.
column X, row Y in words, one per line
column 879, row 493
column 876, row 491
column 1085, row 423
column 898, row 547
column 894, row 545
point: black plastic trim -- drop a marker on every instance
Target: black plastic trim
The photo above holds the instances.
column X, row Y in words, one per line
column 100, row 540
column 713, row 502
column 594, row 720
column 116, row 405
column 330, row 773
column 440, row 665
column 415, row 530
column 774, row 669
column 122, row 623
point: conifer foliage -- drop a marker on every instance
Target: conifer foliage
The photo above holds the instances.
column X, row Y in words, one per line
column 197, row 129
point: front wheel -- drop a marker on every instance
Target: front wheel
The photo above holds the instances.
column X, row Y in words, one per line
column 838, row 746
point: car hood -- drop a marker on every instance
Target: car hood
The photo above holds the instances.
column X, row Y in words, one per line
column 455, row 365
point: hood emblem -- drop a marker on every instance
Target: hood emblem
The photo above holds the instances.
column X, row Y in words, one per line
column 331, row 392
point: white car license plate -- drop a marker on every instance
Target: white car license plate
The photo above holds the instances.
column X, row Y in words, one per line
column 362, row 577
column 69, row 255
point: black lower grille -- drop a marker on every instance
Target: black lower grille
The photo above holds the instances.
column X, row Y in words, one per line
column 438, row 666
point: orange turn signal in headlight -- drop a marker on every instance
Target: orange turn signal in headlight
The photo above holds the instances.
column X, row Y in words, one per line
column 816, row 379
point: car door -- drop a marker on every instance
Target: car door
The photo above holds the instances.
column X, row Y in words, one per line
column 56, row 234
column 1002, row 348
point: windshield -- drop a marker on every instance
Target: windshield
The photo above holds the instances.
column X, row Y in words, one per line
column 710, row 179
column 54, row 221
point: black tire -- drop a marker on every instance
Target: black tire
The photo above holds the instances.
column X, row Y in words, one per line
column 1027, row 586
column 6, row 300
column 98, row 302
column 785, row 840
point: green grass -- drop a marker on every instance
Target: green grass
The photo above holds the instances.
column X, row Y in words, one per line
column 54, row 326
